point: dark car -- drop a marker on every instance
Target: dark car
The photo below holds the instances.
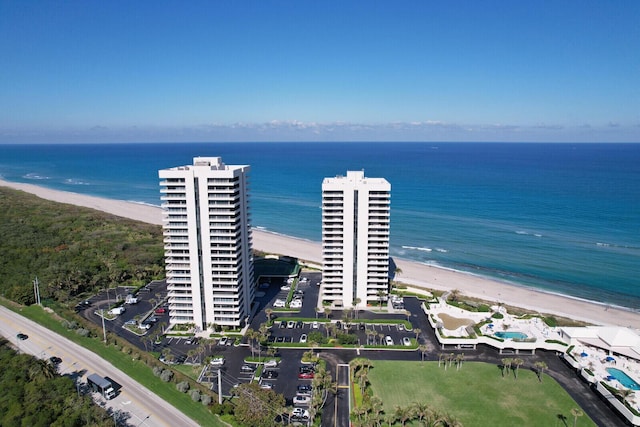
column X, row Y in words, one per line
column 22, row 336
column 361, row 326
column 305, row 388
column 270, row 374
column 283, row 324
column 299, row 324
column 55, row 360
column 338, row 325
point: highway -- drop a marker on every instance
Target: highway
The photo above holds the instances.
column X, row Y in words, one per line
column 144, row 407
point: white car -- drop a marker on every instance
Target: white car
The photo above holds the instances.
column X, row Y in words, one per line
column 406, row 341
column 388, row 340
column 271, row 363
column 285, row 288
column 300, row 413
column 301, row 400
column 223, row 341
column 296, row 303
column 315, row 325
column 303, row 338
column 266, row 386
column 279, row 303
column 217, row 361
column 291, row 324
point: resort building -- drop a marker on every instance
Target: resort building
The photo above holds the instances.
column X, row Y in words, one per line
column 355, row 240
column 207, row 243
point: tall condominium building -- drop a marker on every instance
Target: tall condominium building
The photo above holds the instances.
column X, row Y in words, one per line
column 207, row 243
column 355, row 239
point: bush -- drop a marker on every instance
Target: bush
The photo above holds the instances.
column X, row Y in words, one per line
column 183, row 386
column 497, row 316
column 157, row 371
column 83, row 332
column 206, row 399
column 166, row 375
column 195, row 395
column 224, row 409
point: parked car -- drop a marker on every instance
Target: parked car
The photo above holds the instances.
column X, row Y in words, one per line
column 271, row 363
column 388, row 340
column 217, row 361
column 247, row 368
column 299, row 414
column 266, row 386
column 306, row 375
column 303, row 338
column 223, row 341
column 230, row 341
column 301, row 400
column 406, row 341
column 401, row 326
column 305, row 388
column 160, row 310
column 296, row 303
column 270, row 374
column 291, row 324
column 299, row 324
column 283, row 324
column 279, row 303
column 285, row 288
column 130, row 322
column 315, row 325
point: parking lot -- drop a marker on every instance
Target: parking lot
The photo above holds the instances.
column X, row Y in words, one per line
column 233, row 370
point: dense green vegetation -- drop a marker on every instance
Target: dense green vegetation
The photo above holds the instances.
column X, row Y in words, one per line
column 33, row 394
column 72, row 250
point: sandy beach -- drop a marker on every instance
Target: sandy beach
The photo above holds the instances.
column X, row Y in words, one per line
column 413, row 273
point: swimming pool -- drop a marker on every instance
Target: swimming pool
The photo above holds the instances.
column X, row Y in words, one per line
column 623, row 378
column 511, row 335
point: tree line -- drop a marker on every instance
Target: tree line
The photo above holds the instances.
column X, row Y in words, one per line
column 34, row 394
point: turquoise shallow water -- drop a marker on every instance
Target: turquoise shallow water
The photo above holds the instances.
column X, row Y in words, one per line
column 563, row 218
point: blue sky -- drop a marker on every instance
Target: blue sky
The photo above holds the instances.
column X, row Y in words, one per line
column 120, row 71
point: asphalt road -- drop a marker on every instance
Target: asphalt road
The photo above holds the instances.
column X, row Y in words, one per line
column 144, row 407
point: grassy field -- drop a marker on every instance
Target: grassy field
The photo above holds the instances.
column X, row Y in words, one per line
column 476, row 395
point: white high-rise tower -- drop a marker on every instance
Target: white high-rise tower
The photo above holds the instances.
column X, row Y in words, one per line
column 355, row 239
column 207, row 243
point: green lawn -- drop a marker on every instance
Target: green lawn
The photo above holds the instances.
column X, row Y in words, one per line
column 477, row 394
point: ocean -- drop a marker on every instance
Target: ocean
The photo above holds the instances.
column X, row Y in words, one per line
column 562, row 218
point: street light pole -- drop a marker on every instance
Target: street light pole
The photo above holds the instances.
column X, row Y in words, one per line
column 104, row 331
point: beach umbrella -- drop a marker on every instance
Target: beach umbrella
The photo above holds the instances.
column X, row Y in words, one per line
column 610, row 359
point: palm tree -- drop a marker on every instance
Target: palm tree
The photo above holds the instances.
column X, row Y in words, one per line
column 442, row 357
column 380, row 295
column 540, row 367
column 420, row 410
column 459, row 359
column 506, row 365
column 268, row 312
column 402, row 414
column 627, row 395
column 327, row 312
column 517, row 362
column 454, row 294
column 251, row 335
column 417, row 331
column 576, row 412
column 423, row 349
column 356, row 301
column 381, row 337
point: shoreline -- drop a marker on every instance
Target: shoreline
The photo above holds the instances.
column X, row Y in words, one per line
column 413, row 273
